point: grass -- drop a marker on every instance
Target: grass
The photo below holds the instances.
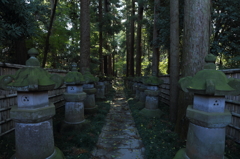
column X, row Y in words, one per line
column 74, row 144
column 160, row 140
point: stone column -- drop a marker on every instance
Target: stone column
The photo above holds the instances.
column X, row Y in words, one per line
column 33, row 112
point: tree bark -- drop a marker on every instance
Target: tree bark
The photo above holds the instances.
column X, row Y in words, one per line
column 49, row 34
column 101, row 66
column 174, row 58
column 85, row 36
column 155, row 56
column 131, row 73
column 195, row 48
column 139, row 39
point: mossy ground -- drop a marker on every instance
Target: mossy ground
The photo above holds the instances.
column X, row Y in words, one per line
column 159, row 139
column 73, row 144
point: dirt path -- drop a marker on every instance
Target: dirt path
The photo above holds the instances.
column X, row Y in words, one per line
column 119, row 138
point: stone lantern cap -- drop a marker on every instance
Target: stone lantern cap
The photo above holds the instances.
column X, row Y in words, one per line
column 31, row 77
column 209, row 81
column 74, row 77
column 152, row 81
column 89, row 78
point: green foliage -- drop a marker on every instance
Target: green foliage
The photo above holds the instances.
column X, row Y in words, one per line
column 158, row 137
column 226, row 32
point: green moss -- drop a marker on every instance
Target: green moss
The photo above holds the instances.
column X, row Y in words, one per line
column 32, row 77
column 218, row 78
column 74, row 78
column 89, row 78
column 152, row 80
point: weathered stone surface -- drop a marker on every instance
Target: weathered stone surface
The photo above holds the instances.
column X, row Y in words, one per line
column 74, row 112
column 32, row 100
column 90, row 90
column 209, row 103
column 154, row 93
column 210, row 120
column 100, row 90
column 205, row 143
column 74, row 89
column 74, row 97
column 34, row 140
column 32, row 115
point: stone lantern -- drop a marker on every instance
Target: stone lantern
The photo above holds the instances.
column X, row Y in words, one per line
column 152, row 92
column 74, row 96
column 89, row 101
column 208, row 116
column 33, row 113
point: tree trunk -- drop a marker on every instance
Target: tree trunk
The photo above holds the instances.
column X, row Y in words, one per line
column 101, row 66
column 110, row 64
column 106, row 65
column 131, row 73
column 174, row 58
column 195, row 48
column 155, row 57
column 49, row 34
column 20, row 51
column 139, row 39
column 85, row 36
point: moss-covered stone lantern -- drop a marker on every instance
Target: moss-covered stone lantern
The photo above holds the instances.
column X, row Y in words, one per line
column 89, row 102
column 33, row 113
column 208, row 116
column 74, row 96
column 152, row 92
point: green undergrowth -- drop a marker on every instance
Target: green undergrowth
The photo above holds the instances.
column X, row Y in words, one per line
column 159, row 140
column 79, row 144
column 158, row 136
column 74, row 144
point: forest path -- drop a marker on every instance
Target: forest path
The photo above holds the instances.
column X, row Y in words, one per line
column 119, row 138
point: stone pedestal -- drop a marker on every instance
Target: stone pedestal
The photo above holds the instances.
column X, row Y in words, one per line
column 89, row 101
column 74, row 106
column 206, row 133
column 151, row 103
column 33, row 127
column 100, row 90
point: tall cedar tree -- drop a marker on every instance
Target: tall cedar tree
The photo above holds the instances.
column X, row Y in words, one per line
column 85, row 36
column 101, row 66
column 139, row 38
column 131, row 64
column 174, row 56
column 195, row 48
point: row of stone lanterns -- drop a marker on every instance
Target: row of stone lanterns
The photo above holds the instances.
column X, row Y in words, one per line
column 33, row 113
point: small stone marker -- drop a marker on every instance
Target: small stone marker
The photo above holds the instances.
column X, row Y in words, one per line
column 208, row 116
column 74, row 96
column 33, row 113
